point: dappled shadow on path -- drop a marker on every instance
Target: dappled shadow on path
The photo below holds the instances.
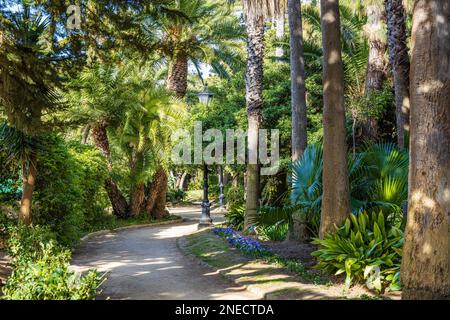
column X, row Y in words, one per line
column 145, row 263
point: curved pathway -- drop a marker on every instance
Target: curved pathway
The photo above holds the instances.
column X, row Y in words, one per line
column 145, row 263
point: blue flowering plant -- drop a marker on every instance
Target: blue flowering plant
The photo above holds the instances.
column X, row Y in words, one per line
column 246, row 245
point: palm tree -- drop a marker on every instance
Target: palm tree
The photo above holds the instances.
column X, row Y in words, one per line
column 375, row 73
column 255, row 11
column 144, row 136
column 27, row 91
column 299, row 137
column 426, row 253
column 298, row 91
column 399, row 60
column 194, row 31
column 336, row 197
column 100, row 97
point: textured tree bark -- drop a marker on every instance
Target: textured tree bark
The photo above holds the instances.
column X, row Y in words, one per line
column 335, row 198
column 137, row 199
column 254, row 101
column 137, row 190
column 118, row 201
column 29, row 173
column 375, row 64
column 85, row 134
column 425, row 272
column 183, row 180
column 399, row 61
column 156, row 200
column 279, row 30
column 177, row 78
column 298, row 96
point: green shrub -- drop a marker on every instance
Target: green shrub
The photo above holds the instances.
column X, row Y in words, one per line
column 235, row 197
column 235, row 217
column 276, row 232
column 69, row 188
column 174, row 195
column 364, row 245
column 378, row 177
column 92, row 173
column 41, row 268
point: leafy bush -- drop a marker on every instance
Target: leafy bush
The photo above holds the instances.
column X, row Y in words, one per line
column 174, row 195
column 276, row 232
column 378, row 177
column 69, row 188
column 367, row 248
column 41, row 268
column 235, row 197
column 235, row 217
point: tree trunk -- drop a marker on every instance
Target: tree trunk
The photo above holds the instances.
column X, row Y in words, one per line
column 177, row 78
column 399, row 60
column 375, row 65
column 156, row 200
column 279, row 30
column 336, row 198
column 254, row 101
column 118, row 201
column 298, row 96
column 137, row 190
column 235, row 180
column 425, row 272
column 85, row 134
column 137, row 199
column 29, row 173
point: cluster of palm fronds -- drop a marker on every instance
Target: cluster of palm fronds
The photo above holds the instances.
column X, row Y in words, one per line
column 378, row 177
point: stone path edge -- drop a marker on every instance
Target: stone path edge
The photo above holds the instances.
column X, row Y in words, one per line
column 135, row 226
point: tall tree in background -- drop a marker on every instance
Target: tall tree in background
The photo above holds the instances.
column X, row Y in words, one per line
column 399, row 60
column 375, row 73
column 27, row 91
column 196, row 31
column 298, row 98
column 336, row 198
column 256, row 11
column 279, row 29
column 426, row 253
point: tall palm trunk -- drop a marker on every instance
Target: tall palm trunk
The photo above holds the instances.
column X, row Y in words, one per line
column 375, row 64
column 156, row 200
column 178, row 72
column 425, row 271
column 29, row 173
column 137, row 192
column 399, row 60
column 118, row 201
column 254, row 101
column 335, row 198
column 298, row 98
column 279, row 30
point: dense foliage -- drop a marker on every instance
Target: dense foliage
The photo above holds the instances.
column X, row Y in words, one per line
column 41, row 268
column 366, row 248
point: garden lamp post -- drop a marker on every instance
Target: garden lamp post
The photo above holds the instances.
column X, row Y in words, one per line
column 205, row 220
column 204, row 96
column 221, row 196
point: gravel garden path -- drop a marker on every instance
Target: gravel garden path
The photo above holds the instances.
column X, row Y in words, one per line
column 146, row 263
